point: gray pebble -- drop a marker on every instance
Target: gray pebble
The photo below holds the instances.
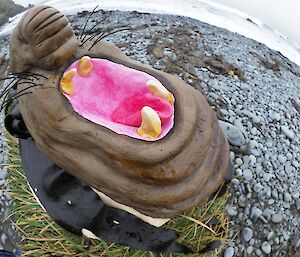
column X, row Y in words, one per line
column 288, row 132
column 252, row 159
column 249, row 250
column 287, row 197
column 255, row 213
column 231, row 210
column 233, row 134
column 258, row 252
column 229, row 252
column 281, row 158
column 235, row 182
column 4, row 238
column 242, row 201
column 266, row 247
column 247, row 174
column 3, row 174
column 276, row 218
column 247, row 234
column 257, row 187
column 270, row 235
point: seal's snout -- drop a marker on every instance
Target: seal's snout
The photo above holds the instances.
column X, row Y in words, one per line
column 43, row 38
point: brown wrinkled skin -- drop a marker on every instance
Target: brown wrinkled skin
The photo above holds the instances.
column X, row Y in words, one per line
column 44, row 38
column 159, row 179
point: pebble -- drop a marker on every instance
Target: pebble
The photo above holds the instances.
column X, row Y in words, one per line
column 233, row 134
column 235, row 182
column 247, row 174
column 281, row 158
column 255, row 213
column 266, row 247
column 287, row 197
column 242, row 201
column 257, row 187
column 229, row 252
column 3, row 174
column 249, row 250
column 276, row 218
column 275, row 116
column 288, row 132
column 231, row 210
column 247, row 234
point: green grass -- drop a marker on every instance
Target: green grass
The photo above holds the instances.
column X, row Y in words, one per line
column 41, row 236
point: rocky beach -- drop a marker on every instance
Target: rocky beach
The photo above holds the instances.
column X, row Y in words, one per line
column 255, row 92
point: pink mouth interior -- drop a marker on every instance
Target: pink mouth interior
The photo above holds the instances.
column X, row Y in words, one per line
column 113, row 96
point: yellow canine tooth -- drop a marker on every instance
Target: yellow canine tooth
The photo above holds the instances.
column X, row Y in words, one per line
column 85, row 66
column 158, row 89
column 66, row 82
column 151, row 124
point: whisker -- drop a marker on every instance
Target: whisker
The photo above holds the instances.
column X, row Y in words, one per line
column 108, row 34
column 15, row 96
column 92, row 37
column 29, row 73
column 87, row 21
column 82, row 40
column 7, row 102
column 6, row 78
column 5, row 93
column 8, row 87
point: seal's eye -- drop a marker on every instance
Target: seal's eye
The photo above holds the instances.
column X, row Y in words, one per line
column 127, row 101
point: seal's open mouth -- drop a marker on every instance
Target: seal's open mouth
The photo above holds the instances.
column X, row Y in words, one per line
column 125, row 100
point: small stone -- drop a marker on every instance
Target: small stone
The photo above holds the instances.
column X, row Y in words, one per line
column 258, row 252
column 289, row 156
column 270, row 235
column 255, row 213
column 231, row 210
column 281, row 158
column 287, row 197
column 3, row 174
column 289, row 133
column 276, row 218
column 249, row 250
column 296, row 164
column 267, row 177
column 235, row 182
column 288, row 168
column 252, row 159
column 247, row 234
column 229, row 252
column 275, row 116
column 213, row 95
column 266, row 247
column 257, row 187
column 4, row 238
column 247, row 174
column 242, row 201
column 233, row 134
column 274, row 193
column 238, row 161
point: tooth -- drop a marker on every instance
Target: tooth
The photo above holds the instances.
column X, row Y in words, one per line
column 85, row 66
column 151, row 124
column 158, row 89
column 67, row 83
